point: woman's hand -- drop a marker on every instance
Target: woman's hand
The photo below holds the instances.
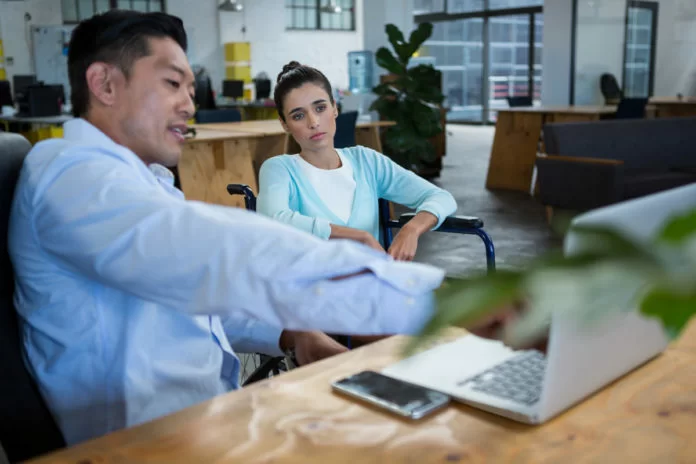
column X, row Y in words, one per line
column 358, row 235
column 404, row 246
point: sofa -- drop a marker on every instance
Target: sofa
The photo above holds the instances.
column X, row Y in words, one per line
column 592, row 164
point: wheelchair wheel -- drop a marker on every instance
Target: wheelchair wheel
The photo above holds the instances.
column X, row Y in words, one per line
column 255, row 367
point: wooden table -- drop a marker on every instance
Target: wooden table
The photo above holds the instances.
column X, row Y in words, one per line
column 225, row 153
column 673, row 107
column 516, row 141
column 647, row 416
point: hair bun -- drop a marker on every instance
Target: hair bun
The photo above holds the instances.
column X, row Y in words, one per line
column 288, row 68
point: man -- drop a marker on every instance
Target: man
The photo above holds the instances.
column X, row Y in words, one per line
column 131, row 298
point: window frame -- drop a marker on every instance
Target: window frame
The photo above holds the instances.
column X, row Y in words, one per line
column 113, row 5
column 291, row 6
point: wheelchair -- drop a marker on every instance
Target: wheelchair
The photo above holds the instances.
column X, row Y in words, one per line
column 268, row 366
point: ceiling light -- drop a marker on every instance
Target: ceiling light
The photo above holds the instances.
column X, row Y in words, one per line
column 331, row 8
column 230, row 5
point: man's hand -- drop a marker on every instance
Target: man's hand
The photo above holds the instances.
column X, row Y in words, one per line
column 310, row 346
column 404, row 246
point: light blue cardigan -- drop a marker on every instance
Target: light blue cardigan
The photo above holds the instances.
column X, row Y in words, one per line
column 287, row 196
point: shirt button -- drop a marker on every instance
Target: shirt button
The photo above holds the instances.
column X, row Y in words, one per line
column 318, row 291
column 411, row 282
column 410, row 301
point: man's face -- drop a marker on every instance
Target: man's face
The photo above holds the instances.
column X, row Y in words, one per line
column 155, row 102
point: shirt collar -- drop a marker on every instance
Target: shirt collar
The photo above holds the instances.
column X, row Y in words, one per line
column 80, row 131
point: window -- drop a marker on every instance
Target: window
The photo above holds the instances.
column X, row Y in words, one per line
column 464, row 6
column 639, row 48
column 428, row 6
column 75, row 11
column 502, row 4
column 310, row 15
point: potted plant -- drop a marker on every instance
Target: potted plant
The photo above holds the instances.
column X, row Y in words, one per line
column 613, row 273
column 411, row 97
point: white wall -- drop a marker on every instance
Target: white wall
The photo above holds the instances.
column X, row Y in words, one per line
column 599, row 47
column 555, row 81
column 377, row 14
column 203, row 31
column 272, row 46
column 675, row 60
column 16, row 31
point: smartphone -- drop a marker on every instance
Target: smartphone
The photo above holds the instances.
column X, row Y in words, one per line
column 399, row 397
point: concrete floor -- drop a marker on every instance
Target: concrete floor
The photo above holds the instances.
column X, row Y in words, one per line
column 515, row 221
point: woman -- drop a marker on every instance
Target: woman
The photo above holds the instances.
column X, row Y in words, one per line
column 333, row 193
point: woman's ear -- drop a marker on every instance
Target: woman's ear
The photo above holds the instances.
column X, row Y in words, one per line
column 284, row 124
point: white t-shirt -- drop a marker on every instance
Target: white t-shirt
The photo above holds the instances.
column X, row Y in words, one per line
column 335, row 187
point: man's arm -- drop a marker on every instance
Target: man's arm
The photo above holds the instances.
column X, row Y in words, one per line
column 206, row 259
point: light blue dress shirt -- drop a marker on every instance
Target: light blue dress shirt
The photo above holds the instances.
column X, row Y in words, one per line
column 129, row 295
column 287, row 195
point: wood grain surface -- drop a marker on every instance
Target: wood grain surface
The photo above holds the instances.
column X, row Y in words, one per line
column 648, row 416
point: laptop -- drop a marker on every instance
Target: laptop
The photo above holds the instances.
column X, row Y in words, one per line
column 530, row 387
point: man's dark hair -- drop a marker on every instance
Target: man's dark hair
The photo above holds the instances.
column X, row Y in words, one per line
column 118, row 37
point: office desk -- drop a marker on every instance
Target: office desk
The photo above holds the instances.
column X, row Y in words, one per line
column 244, row 146
column 516, row 141
column 673, row 107
column 647, row 416
column 214, row 159
column 43, row 120
column 251, row 110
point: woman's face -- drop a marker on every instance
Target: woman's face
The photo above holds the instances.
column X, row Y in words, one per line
column 310, row 117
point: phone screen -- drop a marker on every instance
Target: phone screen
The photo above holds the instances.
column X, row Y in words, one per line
column 401, row 397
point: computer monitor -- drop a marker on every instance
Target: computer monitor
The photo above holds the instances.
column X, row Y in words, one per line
column 233, row 88
column 20, row 82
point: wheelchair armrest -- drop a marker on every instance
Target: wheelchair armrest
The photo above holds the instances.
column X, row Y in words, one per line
column 450, row 222
column 238, row 189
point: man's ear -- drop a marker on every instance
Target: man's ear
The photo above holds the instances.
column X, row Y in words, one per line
column 100, row 81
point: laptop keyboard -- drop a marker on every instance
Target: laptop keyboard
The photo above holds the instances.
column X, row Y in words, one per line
column 518, row 379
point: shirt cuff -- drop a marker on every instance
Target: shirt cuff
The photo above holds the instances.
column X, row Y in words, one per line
column 253, row 336
column 322, row 228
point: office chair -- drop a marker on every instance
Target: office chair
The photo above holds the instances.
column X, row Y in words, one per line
column 204, row 96
column 27, row 428
column 226, row 115
column 610, row 89
column 468, row 225
column 519, row 102
column 262, row 88
column 5, row 94
column 345, row 129
column 631, row 108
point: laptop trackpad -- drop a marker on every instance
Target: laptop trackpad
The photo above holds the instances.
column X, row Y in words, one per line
column 445, row 366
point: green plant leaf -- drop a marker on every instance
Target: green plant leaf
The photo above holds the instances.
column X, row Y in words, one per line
column 426, row 120
column 396, row 38
column 418, row 36
column 386, row 60
column 465, row 303
column 679, row 228
column 674, row 310
column 607, row 242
